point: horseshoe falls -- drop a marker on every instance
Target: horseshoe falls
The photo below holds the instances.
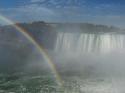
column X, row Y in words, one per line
column 94, row 60
column 88, row 43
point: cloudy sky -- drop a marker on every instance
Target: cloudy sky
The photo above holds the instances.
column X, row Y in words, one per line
column 109, row 12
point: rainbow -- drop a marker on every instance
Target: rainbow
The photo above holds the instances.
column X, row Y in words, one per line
column 37, row 46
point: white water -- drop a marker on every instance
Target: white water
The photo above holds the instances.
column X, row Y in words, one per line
column 82, row 42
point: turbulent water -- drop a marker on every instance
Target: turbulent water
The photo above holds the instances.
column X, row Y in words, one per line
column 46, row 84
column 87, row 63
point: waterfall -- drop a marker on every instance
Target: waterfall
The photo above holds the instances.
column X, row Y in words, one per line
column 83, row 42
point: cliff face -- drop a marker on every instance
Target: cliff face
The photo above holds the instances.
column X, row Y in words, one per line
column 43, row 33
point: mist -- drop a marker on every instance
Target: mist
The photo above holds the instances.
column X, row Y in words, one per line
column 92, row 54
column 87, row 57
column 91, row 57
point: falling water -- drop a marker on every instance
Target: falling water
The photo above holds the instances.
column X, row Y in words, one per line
column 104, row 72
column 83, row 42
